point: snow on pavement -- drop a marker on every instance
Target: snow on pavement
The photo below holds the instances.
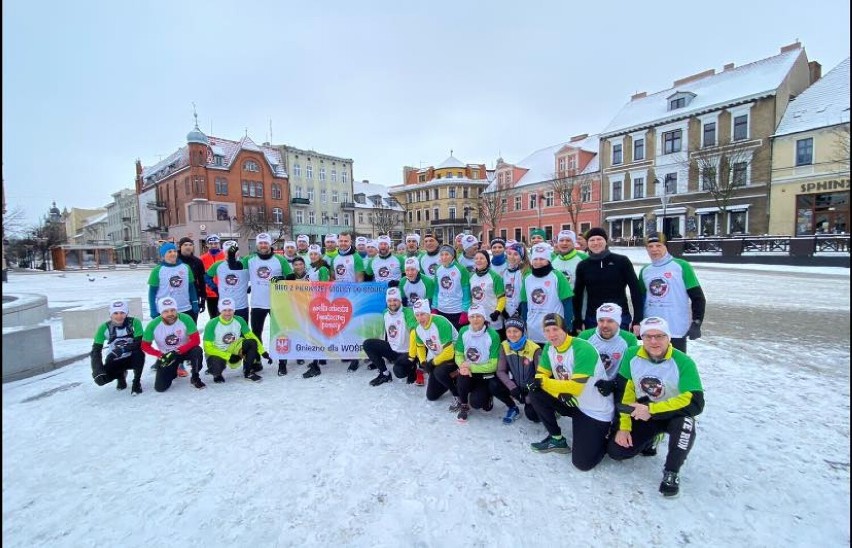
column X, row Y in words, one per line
column 333, row 461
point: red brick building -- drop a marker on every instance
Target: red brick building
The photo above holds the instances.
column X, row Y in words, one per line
column 215, row 186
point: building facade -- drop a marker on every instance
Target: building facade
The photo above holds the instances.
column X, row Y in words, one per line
column 123, row 226
column 319, row 185
column 810, row 160
column 75, row 220
column 442, row 200
column 375, row 212
column 554, row 188
column 694, row 159
column 236, row 189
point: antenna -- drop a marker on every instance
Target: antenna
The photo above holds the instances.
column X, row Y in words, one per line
column 195, row 115
column 451, row 152
column 211, row 126
column 270, row 131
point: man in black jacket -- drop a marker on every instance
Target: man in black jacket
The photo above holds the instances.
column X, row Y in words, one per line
column 186, row 248
column 604, row 278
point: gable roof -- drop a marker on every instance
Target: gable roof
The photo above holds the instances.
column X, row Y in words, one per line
column 824, row 104
column 452, row 161
column 753, row 80
column 541, row 164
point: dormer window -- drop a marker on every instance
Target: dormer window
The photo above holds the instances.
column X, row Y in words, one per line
column 680, row 99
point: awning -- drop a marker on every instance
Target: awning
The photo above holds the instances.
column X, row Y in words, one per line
column 620, row 217
column 670, row 211
column 737, row 207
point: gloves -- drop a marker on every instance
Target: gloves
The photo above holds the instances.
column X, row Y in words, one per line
column 232, row 251
column 393, row 283
column 168, row 358
column 235, row 358
column 463, row 319
column 535, row 384
column 495, row 315
column 578, row 326
column 517, row 394
column 201, row 306
column 278, row 279
column 113, row 354
column 100, row 379
column 694, row 330
column 505, row 314
column 605, row 387
column 429, row 366
column 266, row 357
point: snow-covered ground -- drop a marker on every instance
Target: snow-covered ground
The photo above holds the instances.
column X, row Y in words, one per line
column 333, row 461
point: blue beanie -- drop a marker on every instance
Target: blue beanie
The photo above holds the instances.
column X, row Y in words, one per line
column 166, row 247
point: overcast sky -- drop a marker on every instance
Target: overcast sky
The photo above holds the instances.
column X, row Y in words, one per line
column 88, row 87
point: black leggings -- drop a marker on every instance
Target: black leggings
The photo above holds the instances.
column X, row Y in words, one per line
column 452, row 318
column 681, row 431
column 379, row 350
column 165, row 375
column 499, row 391
column 473, row 390
column 115, row 369
column 258, row 318
column 588, row 435
column 680, row 343
column 212, row 307
column 216, row 365
column 441, row 380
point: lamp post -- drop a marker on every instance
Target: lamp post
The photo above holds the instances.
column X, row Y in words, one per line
column 664, row 199
column 467, row 219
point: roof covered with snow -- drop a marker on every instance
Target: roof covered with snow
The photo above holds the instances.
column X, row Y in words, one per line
column 541, row 164
column 752, row 80
column 452, row 161
column 370, row 190
column 825, row 103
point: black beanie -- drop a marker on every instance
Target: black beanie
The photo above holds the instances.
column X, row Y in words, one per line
column 517, row 322
column 597, row 231
column 655, row 238
column 184, row 240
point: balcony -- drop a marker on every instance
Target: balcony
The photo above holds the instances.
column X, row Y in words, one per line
column 300, row 202
column 157, row 206
column 347, row 205
column 458, row 221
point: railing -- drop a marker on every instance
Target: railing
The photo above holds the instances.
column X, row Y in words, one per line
column 159, row 206
column 457, row 221
column 801, row 246
column 347, row 205
column 300, row 201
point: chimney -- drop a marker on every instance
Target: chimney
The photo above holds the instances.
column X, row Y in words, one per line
column 694, row 77
column 815, row 70
column 791, row 47
column 580, row 137
column 729, row 66
column 640, row 95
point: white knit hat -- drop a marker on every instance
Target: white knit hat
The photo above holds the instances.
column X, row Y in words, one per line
column 119, row 306
column 226, row 304
column 415, row 237
column 567, row 234
column 393, row 293
column 540, row 251
column 422, row 307
column 468, row 241
column 263, row 237
column 476, row 310
column 411, row 262
column 609, row 310
column 654, row 323
column 303, row 238
column 166, row 303
column 384, row 239
column 314, row 248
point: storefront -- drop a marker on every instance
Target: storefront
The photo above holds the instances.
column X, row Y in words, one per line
column 823, row 213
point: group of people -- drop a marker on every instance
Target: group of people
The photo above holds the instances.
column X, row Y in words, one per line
column 546, row 330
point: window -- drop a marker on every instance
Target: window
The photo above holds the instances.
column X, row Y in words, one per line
column 452, row 212
column 561, row 164
column 504, row 205
column 343, row 176
column 548, row 198
column 300, row 216
column 451, row 192
column 499, row 179
column 276, row 191
column 333, row 175
column 518, row 234
column 548, row 232
column 465, row 192
column 616, row 154
column 533, row 201
column 638, row 149
column 345, row 219
column 251, row 165
column 459, row 174
column 311, row 194
column 345, row 196
column 312, row 217
column 410, row 216
column 586, row 192
column 616, row 191
column 474, row 174
column 708, row 178
column 584, row 227
column 709, row 134
column 805, row 152
column 707, row 224
column 434, row 193
column 334, row 197
column 670, row 183
column 680, row 102
column 672, row 141
column 219, row 160
column 517, row 203
column 739, row 173
column 508, row 178
column 298, row 192
column 740, row 127
column 616, row 229
column 221, row 186
column 436, row 213
column 297, row 169
column 738, row 221
column 245, row 188
column 424, row 195
column 638, row 228
column 322, row 174
column 309, row 171
column 186, row 185
column 323, row 196
column 638, row 188
column 449, row 175
column 278, row 215
column 566, row 226
column 421, row 178
column 426, row 212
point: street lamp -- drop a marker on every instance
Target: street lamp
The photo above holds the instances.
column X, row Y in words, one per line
column 467, row 211
column 664, row 199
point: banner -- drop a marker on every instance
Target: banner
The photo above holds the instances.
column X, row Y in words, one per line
column 325, row 320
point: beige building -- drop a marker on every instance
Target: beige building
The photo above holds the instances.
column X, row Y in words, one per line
column 444, row 199
column 375, row 212
column 694, row 159
column 810, row 160
column 123, row 229
column 77, row 219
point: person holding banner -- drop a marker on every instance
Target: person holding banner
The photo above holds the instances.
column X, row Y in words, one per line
column 319, row 269
column 229, row 341
column 347, row 266
column 263, row 265
column 453, row 288
column 477, row 350
column 413, row 286
column 429, row 259
column 434, row 339
column 300, row 271
column 486, row 290
column 399, row 324
column 385, row 267
column 230, row 279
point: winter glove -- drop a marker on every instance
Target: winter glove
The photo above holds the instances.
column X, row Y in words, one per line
column 232, row 251
column 100, row 379
column 266, row 357
column 694, row 330
column 168, row 358
column 517, row 394
column 113, row 354
column 235, row 358
column 535, row 384
column 578, row 326
column 201, row 306
column 279, row 279
column 605, row 387
column 393, row 283
column 429, row 366
column 505, row 314
column 495, row 315
column 463, row 319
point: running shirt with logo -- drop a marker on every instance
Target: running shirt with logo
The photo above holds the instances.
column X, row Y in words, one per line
column 611, row 351
column 346, row 267
column 116, row 337
column 567, row 264
column 665, row 287
column 398, row 326
column 543, row 296
column 577, row 357
column 429, row 264
column 220, row 336
column 512, row 284
column 480, row 348
column 500, row 269
column 232, row 284
column 439, row 334
column 423, row 288
column 385, row 269
column 486, row 291
column 169, row 337
column 317, row 274
column 173, row 281
column 466, row 263
column 261, row 271
column 452, row 284
column 661, row 382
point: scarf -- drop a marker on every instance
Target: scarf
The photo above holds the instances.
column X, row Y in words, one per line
column 543, row 271
column 518, row 346
column 663, row 260
column 498, row 260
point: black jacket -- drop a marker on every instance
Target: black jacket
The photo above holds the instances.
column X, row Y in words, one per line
column 197, row 267
column 605, row 280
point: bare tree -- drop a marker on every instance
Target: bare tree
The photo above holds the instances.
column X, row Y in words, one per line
column 493, row 204
column 569, row 188
column 13, row 222
column 841, row 146
column 383, row 218
column 722, row 170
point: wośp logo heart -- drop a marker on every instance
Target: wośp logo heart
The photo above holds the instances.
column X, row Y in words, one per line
column 330, row 317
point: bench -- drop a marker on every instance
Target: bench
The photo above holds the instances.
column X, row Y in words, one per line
column 27, row 351
column 81, row 322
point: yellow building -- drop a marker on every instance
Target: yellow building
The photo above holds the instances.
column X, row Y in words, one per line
column 810, row 160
